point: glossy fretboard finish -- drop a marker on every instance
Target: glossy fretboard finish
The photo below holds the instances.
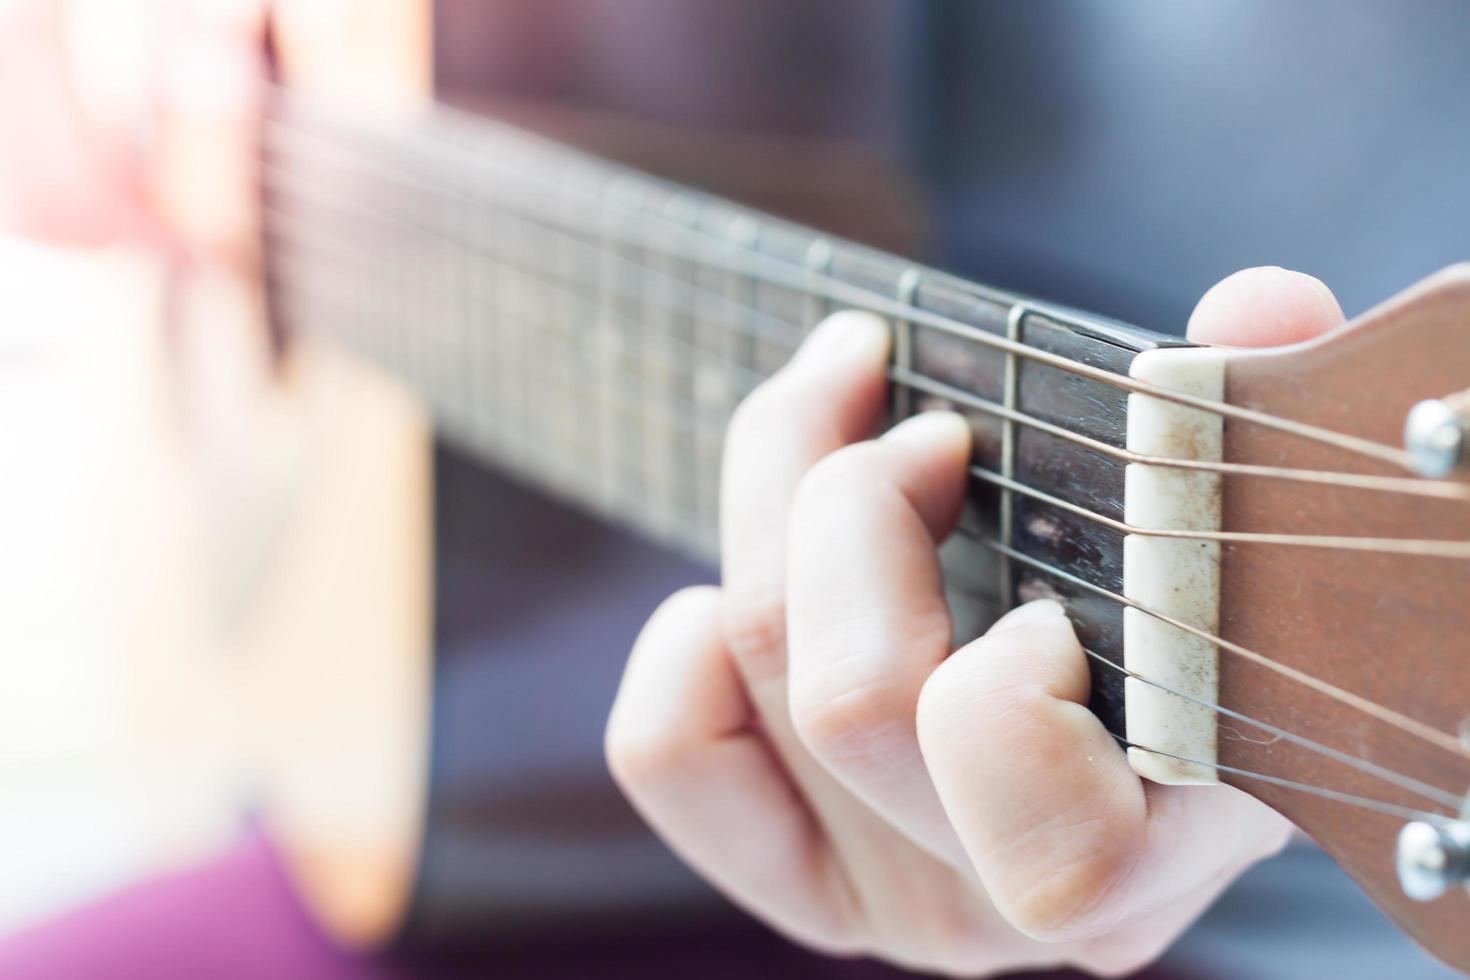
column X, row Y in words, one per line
column 590, row 329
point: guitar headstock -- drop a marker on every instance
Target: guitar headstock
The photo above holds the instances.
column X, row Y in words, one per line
column 1372, row 637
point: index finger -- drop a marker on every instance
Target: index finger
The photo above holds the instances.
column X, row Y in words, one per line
column 831, row 394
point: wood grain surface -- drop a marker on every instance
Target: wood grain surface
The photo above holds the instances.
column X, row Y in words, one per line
column 1390, row 628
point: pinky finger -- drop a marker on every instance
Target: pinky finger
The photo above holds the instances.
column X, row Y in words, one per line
column 682, row 744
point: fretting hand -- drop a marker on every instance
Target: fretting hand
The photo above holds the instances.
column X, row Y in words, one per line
column 804, row 737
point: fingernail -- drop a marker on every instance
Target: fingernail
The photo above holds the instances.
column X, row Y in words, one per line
column 1035, row 611
column 936, row 430
column 850, row 335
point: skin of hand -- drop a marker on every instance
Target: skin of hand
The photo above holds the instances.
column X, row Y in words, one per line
column 805, row 738
column 132, row 121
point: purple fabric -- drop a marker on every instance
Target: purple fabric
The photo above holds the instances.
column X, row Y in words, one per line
column 236, row 919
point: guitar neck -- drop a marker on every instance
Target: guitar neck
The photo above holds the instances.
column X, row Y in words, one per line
column 589, row 329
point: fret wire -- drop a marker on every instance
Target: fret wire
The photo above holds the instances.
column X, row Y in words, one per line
column 552, row 386
column 1391, row 484
column 633, row 324
column 1015, row 319
column 770, row 328
column 847, row 293
column 570, row 316
column 818, row 262
column 1451, row 549
column 1411, row 726
column 1013, row 352
column 713, row 416
column 691, row 505
column 1427, row 548
column 903, row 341
column 710, row 418
column 543, row 280
column 1419, row 547
column 776, row 330
column 744, row 236
column 607, row 345
column 704, row 423
column 1410, row 485
column 708, row 442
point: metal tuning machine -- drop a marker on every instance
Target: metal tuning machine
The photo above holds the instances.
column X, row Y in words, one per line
column 1432, row 857
column 1436, row 433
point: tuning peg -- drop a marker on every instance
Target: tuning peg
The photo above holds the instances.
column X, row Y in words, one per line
column 1431, row 857
column 1435, row 434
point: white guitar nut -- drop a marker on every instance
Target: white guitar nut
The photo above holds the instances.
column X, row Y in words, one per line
column 1174, row 576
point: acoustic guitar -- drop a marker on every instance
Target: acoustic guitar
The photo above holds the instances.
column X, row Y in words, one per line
column 1265, row 553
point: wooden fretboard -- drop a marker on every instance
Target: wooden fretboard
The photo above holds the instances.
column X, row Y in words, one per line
column 589, row 329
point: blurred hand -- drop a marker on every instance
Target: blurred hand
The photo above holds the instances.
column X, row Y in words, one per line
column 130, row 120
column 805, row 738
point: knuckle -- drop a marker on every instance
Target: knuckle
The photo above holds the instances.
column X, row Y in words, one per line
column 861, row 721
column 764, row 410
column 636, row 758
column 1058, row 903
column 754, row 627
column 962, row 693
column 839, row 476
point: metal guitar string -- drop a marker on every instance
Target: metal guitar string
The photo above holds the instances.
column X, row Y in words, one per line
column 800, row 281
column 778, row 271
column 1409, row 725
column 1416, row 486
column 1409, row 783
column 766, row 326
column 1352, row 799
column 1427, row 548
column 1424, row 548
column 1364, row 765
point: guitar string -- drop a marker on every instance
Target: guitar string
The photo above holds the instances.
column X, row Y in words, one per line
column 1423, row 548
column 1411, row 726
column 767, row 326
column 1409, row 783
column 1338, row 796
column 1405, row 546
column 1442, row 489
column 867, row 298
column 1362, row 764
column 773, row 269
column 547, row 281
